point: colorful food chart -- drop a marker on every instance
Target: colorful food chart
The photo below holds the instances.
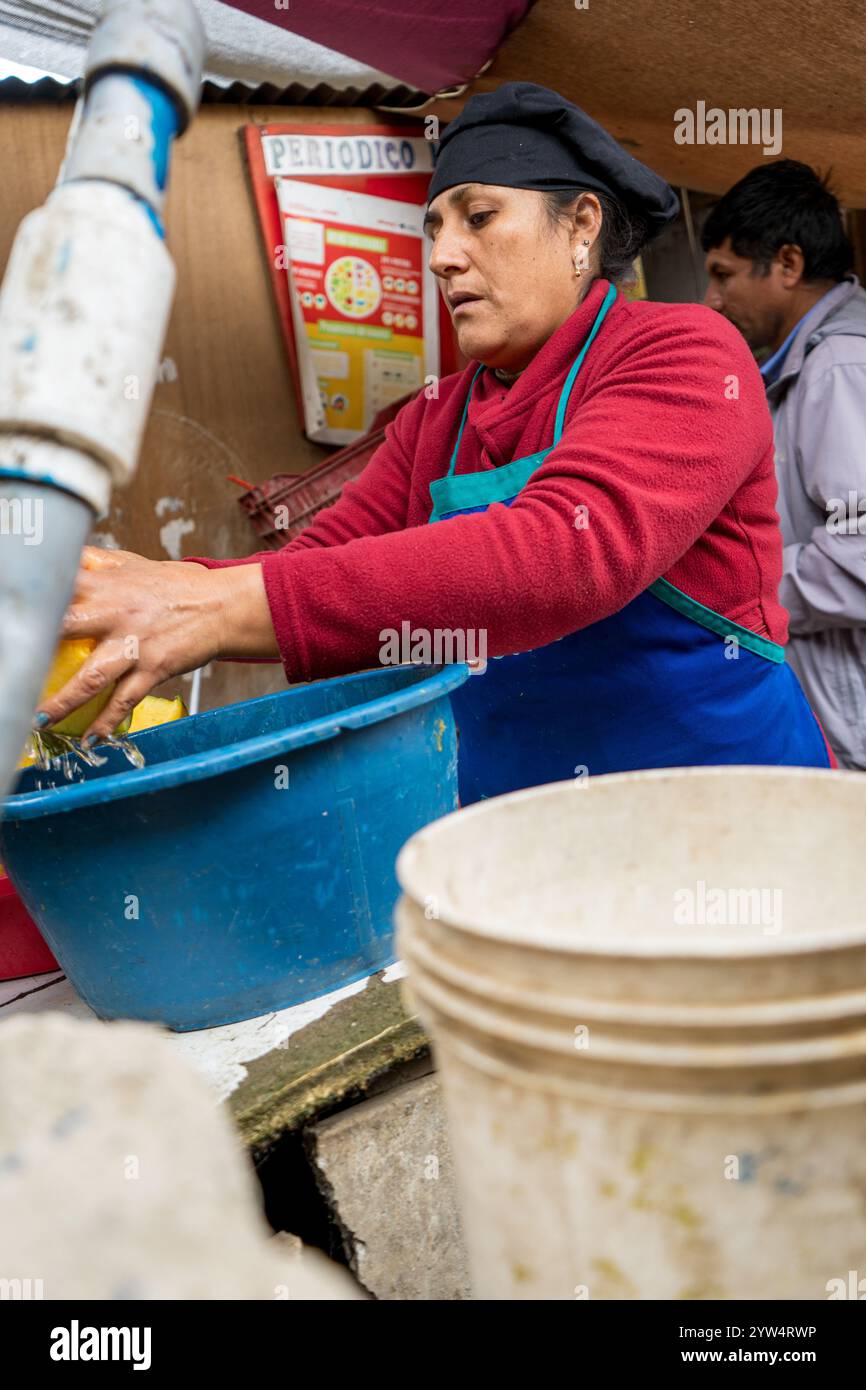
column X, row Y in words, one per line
column 364, row 304
column 353, row 287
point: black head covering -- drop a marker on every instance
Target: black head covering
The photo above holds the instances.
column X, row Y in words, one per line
column 526, row 136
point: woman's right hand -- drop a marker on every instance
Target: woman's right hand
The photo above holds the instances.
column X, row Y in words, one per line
column 151, row 620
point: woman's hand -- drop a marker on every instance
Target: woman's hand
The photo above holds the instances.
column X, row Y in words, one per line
column 151, row 620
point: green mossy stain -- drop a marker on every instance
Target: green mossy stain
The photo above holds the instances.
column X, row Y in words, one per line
column 685, row 1215
column 320, row 1066
column 701, row 1292
column 612, row 1272
column 640, row 1159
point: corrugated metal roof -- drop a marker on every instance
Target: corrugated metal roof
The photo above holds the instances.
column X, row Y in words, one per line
column 377, row 94
column 49, row 91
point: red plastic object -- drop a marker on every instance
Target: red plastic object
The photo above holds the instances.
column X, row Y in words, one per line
column 302, row 495
column 418, row 43
column 22, row 949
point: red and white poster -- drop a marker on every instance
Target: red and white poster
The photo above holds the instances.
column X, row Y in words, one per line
column 341, row 209
column 364, row 304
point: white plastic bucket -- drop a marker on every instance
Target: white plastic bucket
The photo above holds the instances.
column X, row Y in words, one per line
column 643, row 1105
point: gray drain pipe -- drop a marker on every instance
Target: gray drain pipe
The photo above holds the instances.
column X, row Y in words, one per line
column 84, row 307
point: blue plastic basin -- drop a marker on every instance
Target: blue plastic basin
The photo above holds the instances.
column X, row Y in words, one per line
column 250, row 864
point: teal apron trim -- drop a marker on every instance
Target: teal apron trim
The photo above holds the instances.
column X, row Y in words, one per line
column 716, row 622
column 490, row 485
column 644, row 687
column 472, row 491
column 577, row 364
column 460, row 492
column 456, row 450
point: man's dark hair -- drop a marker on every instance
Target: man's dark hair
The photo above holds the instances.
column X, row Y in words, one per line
column 779, row 204
column 622, row 236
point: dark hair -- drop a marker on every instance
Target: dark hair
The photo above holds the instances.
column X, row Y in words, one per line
column 778, row 204
column 623, row 233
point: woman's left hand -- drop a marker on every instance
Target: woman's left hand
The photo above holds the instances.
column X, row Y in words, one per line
column 151, row 620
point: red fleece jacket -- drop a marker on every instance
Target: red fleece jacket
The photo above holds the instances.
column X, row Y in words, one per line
column 668, row 444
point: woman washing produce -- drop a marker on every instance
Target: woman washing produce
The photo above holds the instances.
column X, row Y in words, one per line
column 594, row 494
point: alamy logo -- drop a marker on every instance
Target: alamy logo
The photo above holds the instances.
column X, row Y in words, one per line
column 853, row 1287
column 21, row 1290
column 438, row 646
column 846, row 516
column 736, row 126
column 729, row 907
column 77, row 1343
column 22, row 517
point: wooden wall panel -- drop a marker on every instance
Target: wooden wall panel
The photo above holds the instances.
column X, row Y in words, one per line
column 632, row 64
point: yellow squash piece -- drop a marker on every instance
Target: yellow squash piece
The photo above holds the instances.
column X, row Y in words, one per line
column 70, row 656
column 153, row 710
column 28, row 757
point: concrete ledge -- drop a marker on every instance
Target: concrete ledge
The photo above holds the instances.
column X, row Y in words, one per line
column 385, row 1170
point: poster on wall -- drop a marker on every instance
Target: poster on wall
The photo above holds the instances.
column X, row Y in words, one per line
column 364, row 305
column 353, row 196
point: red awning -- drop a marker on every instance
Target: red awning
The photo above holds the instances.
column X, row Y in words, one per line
column 430, row 44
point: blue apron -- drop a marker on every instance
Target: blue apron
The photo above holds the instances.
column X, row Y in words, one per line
column 665, row 682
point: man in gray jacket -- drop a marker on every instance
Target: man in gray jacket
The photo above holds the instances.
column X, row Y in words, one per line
column 779, row 265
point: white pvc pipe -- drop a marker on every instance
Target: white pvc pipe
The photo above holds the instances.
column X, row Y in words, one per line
column 42, row 531
column 83, row 311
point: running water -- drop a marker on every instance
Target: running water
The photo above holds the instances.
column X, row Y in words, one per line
column 53, row 752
